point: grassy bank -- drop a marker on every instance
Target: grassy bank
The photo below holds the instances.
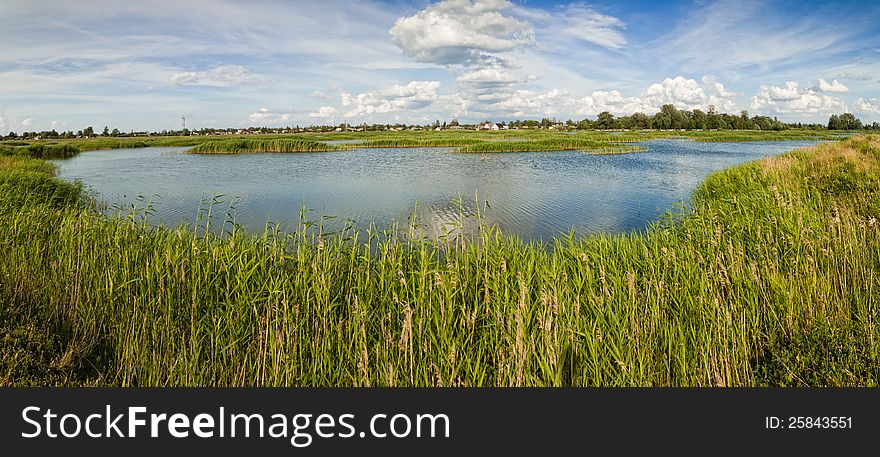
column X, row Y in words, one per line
column 770, row 279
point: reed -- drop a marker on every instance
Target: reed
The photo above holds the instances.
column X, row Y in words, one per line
column 769, row 278
column 729, row 136
column 555, row 144
column 43, row 151
column 248, row 145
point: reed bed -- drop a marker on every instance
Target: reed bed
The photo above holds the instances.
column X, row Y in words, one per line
column 736, row 136
column 555, row 144
column 43, row 151
column 769, row 278
column 250, row 145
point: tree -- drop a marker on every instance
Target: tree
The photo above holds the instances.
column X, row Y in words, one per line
column 699, row 119
column 713, row 120
column 845, row 121
column 106, row 131
column 89, row 132
column 605, row 121
column 850, row 122
column 585, row 124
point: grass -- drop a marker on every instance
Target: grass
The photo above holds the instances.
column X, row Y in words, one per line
column 554, row 144
column 735, row 136
column 769, row 279
column 249, row 145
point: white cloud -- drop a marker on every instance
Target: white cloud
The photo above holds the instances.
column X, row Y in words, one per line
column 870, row 106
column 791, row 99
column 611, row 101
column 678, row 91
column 323, row 112
column 415, row 95
column 833, row 86
column 491, row 76
column 224, row 75
column 681, row 92
column 588, row 25
column 527, row 103
column 781, row 94
column 460, row 32
column 265, row 117
column 27, row 122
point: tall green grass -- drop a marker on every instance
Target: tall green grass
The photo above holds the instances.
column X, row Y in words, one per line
column 555, row 144
column 250, row 145
column 770, row 278
column 43, row 151
column 728, row 136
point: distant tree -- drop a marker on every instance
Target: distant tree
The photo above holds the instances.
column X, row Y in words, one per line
column 834, row 122
column 845, row 121
column 640, row 121
column 713, row 120
column 850, row 122
column 605, row 121
column 88, row 132
column 698, row 120
column 106, row 131
column 585, row 124
column 115, row 132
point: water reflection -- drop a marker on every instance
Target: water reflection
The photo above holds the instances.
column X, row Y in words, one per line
column 534, row 195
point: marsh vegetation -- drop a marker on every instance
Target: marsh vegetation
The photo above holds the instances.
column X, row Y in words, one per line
column 769, row 278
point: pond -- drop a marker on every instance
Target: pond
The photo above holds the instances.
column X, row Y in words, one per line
column 534, row 195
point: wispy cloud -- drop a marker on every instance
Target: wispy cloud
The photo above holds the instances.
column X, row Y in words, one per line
column 142, row 64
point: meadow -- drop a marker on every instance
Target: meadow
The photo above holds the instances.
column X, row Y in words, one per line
column 768, row 278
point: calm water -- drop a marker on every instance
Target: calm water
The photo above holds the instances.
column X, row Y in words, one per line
column 534, row 195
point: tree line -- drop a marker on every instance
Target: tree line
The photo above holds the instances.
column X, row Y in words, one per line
column 668, row 118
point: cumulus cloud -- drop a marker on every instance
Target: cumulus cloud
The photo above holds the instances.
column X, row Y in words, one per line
column 870, row 106
column 491, row 76
column 588, row 25
column 265, row 117
column 612, row 101
column 224, row 75
column 27, row 122
column 833, row 86
column 681, row 92
column 415, row 95
column 462, row 32
column 791, row 99
column 323, row 112
column 535, row 103
column 787, row 93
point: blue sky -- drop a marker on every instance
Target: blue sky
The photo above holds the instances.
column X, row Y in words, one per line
column 141, row 65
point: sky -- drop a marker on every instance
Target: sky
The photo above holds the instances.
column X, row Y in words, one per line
column 142, row 65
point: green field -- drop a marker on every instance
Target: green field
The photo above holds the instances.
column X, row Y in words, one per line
column 769, row 279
